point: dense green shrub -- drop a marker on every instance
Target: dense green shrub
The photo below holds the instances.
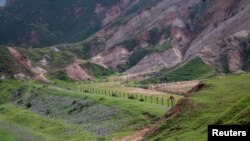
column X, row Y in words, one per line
column 114, row 95
column 61, row 75
column 131, row 97
column 141, row 100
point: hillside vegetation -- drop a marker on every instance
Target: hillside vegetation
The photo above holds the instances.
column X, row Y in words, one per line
column 56, row 59
column 97, row 71
column 194, row 69
column 31, row 111
column 7, row 65
column 224, row 100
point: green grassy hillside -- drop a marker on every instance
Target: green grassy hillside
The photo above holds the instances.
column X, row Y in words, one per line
column 96, row 70
column 194, row 69
column 30, row 111
column 6, row 89
column 224, row 100
column 16, row 119
column 56, row 63
column 56, row 60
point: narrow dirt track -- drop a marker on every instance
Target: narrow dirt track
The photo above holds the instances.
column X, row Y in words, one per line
column 138, row 135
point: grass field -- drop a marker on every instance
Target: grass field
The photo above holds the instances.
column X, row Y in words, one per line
column 225, row 100
column 31, row 111
column 6, row 88
column 38, row 127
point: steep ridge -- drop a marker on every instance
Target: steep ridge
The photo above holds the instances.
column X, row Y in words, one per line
column 163, row 16
column 36, row 72
column 45, row 64
column 230, row 54
column 188, row 26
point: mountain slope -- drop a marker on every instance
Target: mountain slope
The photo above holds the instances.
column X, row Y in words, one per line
column 189, row 27
column 135, row 37
column 44, row 64
column 44, row 23
column 130, row 36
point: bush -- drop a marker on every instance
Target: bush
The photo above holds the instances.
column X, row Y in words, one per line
column 141, row 100
column 48, row 112
column 131, row 97
column 101, row 99
column 28, row 105
column 61, row 75
column 86, row 97
column 114, row 95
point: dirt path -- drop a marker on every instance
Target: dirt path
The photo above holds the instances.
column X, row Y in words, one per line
column 138, row 135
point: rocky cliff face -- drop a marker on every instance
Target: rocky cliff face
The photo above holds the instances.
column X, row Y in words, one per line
column 190, row 26
column 230, row 54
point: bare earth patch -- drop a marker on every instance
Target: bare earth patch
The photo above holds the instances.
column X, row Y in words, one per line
column 75, row 72
column 184, row 87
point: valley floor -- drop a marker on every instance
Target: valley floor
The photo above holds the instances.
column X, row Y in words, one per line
column 112, row 111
